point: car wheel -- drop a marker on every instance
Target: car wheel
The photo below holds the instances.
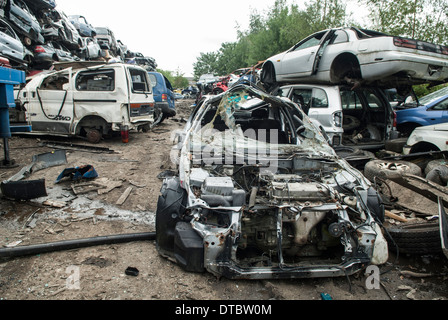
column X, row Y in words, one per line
column 384, row 169
column 415, row 238
column 435, row 163
column 27, row 41
column 93, row 135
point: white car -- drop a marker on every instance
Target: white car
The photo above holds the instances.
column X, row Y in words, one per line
column 428, row 138
column 261, row 195
column 350, row 55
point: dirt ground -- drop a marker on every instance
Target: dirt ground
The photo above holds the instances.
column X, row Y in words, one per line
column 101, row 269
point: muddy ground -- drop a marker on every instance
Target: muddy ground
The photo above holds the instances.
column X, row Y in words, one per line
column 101, row 269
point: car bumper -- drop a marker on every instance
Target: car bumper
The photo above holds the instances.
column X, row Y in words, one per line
column 429, row 68
column 165, row 107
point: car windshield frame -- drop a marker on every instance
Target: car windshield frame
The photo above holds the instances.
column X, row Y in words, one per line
column 305, row 136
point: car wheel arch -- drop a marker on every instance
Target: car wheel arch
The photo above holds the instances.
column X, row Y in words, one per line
column 94, row 122
column 407, row 127
column 345, row 65
column 423, row 146
column 268, row 76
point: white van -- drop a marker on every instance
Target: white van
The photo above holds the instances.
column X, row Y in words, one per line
column 91, row 102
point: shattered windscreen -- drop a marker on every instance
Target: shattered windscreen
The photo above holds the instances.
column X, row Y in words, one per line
column 247, row 120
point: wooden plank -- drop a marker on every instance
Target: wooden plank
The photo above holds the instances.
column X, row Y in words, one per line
column 124, row 196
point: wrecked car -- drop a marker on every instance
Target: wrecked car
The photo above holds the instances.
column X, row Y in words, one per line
column 352, row 55
column 360, row 117
column 57, row 27
column 90, row 102
column 261, row 194
column 163, row 94
column 84, row 28
column 105, row 37
column 427, row 138
column 12, row 48
column 428, row 110
column 46, row 54
column 24, row 22
column 90, row 49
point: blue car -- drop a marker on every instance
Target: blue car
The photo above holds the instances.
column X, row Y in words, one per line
column 430, row 109
column 163, row 94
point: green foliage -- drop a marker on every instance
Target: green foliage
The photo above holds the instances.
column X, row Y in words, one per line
column 284, row 25
column 419, row 19
column 423, row 90
column 267, row 35
column 177, row 80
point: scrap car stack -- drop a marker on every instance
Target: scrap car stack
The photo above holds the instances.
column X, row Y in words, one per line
column 34, row 34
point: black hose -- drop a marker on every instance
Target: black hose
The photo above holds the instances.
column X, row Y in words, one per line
column 75, row 244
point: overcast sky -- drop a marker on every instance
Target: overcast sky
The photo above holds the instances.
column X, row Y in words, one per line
column 173, row 32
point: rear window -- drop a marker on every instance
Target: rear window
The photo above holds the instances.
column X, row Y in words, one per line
column 139, row 80
column 153, row 80
column 98, row 80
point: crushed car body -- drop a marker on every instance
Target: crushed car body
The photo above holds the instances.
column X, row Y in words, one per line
column 261, row 194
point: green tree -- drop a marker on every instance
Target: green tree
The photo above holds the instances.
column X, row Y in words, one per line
column 177, row 80
column 205, row 63
column 420, row 19
column 278, row 30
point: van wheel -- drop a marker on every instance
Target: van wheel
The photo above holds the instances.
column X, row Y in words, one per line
column 93, row 135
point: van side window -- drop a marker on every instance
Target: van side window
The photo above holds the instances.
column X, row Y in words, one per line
column 139, row 81
column 55, row 82
column 100, row 80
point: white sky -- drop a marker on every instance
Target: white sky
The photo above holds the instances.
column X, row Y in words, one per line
column 173, row 32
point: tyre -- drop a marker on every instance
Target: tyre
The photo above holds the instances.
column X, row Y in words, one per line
column 384, row 169
column 435, row 163
column 438, row 175
column 396, row 145
column 415, row 238
column 93, row 135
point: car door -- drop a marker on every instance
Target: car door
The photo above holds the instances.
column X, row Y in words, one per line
column 10, row 44
column 51, row 104
column 438, row 113
column 303, row 59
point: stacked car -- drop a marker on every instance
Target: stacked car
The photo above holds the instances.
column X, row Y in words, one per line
column 34, row 35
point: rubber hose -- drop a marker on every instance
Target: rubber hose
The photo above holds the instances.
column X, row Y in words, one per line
column 75, row 244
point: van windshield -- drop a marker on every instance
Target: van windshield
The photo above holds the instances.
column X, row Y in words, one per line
column 140, row 81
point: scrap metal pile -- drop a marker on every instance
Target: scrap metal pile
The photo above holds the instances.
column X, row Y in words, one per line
column 35, row 35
